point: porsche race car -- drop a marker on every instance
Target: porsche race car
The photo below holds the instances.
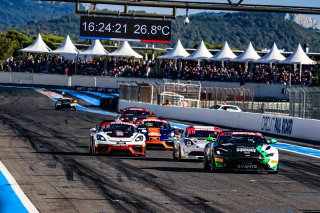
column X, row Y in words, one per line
column 113, row 136
column 192, row 142
column 66, row 103
column 158, row 132
column 241, row 150
column 133, row 113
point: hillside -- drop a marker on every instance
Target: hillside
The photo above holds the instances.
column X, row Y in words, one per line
column 20, row 12
column 240, row 28
column 237, row 28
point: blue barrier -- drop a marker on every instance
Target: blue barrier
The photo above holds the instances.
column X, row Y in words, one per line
column 88, row 99
column 99, row 94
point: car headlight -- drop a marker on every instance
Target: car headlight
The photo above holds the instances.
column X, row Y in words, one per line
column 171, row 134
column 139, row 138
column 221, row 151
column 101, row 138
column 189, row 143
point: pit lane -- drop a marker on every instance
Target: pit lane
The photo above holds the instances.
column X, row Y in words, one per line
column 47, row 152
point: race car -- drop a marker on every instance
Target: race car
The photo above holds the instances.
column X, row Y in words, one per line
column 192, row 142
column 158, row 132
column 133, row 113
column 116, row 136
column 66, row 103
column 241, row 150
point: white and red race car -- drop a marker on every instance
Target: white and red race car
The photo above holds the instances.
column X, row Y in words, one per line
column 116, row 136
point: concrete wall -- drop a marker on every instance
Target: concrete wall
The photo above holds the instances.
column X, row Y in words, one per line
column 261, row 90
column 279, row 125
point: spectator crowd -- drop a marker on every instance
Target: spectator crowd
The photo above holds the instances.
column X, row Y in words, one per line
column 185, row 70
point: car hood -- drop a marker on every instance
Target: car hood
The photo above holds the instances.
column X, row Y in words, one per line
column 243, row 150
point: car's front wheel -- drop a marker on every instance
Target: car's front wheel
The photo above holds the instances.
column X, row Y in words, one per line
column 180, row 159
column 174, row 157
column 205, row 163
column 212, row 165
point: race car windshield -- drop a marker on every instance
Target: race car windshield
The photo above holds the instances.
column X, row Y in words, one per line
column 242, row 139
column 215, row 107
column 119, row 127
column 201, row 134
column 135, row 112
column 66, row 102
column 156, row 124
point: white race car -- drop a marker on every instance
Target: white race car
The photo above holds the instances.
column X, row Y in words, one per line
column 117, row 137
column 192, row 142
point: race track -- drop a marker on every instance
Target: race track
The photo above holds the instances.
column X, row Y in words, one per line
column 47, row 153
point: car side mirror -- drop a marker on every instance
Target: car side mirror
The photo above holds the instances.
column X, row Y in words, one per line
column 273, row 141
column 211, row 139
column 153, row 113
column 93, row 130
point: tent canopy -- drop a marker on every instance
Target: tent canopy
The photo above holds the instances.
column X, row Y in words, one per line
column 272, row 56
column 225, row 54
column 67, row 47
column 177, row 52
column 38, row 46
column 248, row 55
column 298, row 57
column 95, row 48
column 125, row 51
column 201, row 53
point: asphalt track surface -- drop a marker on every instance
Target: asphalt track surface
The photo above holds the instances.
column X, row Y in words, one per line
column 47, row 153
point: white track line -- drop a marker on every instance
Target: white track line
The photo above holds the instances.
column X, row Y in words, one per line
column 18, row 191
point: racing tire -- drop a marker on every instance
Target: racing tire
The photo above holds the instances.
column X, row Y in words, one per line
column 211, row 166
column 90, row 148
column 93, row 149
column 180, row 159
column 144, row 153
column 205, row 163
column 174, row 157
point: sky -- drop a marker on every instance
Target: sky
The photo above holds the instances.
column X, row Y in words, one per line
column 305, row 3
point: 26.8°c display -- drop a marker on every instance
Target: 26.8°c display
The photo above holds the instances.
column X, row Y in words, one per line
column 140, row 30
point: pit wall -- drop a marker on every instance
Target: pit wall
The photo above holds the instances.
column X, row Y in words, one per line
column 292, row 127
column 260, row 90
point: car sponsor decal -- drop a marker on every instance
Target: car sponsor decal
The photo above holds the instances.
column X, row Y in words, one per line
column 266, row 158
column 246, row 149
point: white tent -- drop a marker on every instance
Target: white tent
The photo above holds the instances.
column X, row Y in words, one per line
column 248, row 55
column 298, row 57
column 38, row 46
column 177, row 52
column 67, row 47
column 201, row 53
column 95, row 48
column 272, row 56
column 225, row 54
column 125, row 51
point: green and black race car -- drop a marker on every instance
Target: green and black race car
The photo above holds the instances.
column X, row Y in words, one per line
column 66, row 103
column 241, row 150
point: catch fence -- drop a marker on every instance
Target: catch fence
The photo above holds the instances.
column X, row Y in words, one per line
column 303, row 102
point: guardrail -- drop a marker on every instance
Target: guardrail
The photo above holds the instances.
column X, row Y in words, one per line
column 307, row 129
column 260, row 89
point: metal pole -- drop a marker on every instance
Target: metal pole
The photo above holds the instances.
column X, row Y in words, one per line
column 300, row 72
